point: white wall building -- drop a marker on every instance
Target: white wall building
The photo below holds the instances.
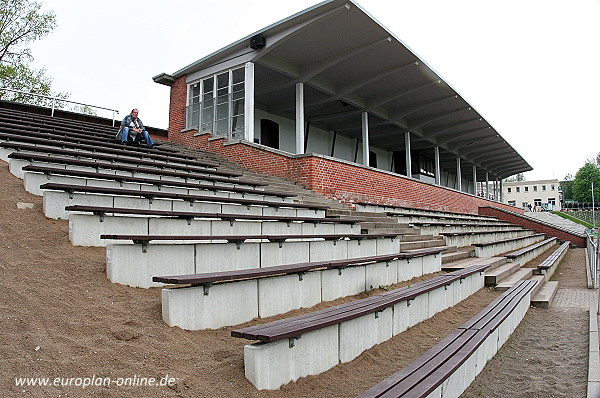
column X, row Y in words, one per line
column 540, row 195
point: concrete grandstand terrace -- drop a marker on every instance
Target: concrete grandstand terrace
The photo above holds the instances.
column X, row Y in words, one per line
column 97, row 283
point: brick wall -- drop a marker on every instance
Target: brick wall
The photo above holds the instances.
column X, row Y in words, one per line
column 531, row 224
column 177, row 106
column 340, row 180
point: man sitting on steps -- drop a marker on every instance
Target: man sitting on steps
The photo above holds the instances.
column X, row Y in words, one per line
column 133, row 123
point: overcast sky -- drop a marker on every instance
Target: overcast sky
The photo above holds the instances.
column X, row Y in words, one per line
column 529, row 67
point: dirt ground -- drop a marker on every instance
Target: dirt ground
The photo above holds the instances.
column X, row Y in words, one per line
column 63, row 320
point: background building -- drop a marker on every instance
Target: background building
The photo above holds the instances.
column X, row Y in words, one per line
column 540, row 195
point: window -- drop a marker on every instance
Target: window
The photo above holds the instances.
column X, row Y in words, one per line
column 552, row 201
column 525, row 205
column 526, row 189
column 372, row 159
column 518, row 189
column 537, row 202
column 535, row 188
column 216, row 104
column 543, row 188
column 512, row 203
column 552, row 187
column 509, row 190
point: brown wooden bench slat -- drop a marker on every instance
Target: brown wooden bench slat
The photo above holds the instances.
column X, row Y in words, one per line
column 422, row 376
column 239, row 238
column 121, row 159
column 170, row 195
column 223, row 216
column 550, row 260
column 296, row 326
column 227, row 276
column 153, row 181
column 28, row 143
column 493, row 242
column 199, row 175
column 530, row 248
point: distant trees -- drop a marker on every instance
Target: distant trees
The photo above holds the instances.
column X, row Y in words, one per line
column 582, row 184
column 515, row 178
column 22, row 22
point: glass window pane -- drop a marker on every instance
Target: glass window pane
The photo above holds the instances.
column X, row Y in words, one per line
column 207, row 127
column 237, row 75
column 209, row 85
column 237, row 107
column 237, row 123
column 222, row 99
column 223, row 80
column 208, row 114
column 222, row 111
column 221, row 127
column 237, row 95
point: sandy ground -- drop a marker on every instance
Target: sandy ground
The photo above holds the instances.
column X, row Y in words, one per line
column 63, row 320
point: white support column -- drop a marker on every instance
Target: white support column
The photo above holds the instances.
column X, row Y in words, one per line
column 438, row 171
column 408, row 158
column 365, row 138
column 474, row 180
column 487, row 185
column 458, row 175
column 496, row 185
column 249, row 102
column 501, row 193
column 299, row 118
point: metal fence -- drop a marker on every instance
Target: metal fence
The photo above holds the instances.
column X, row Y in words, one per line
column 55, row 102
column 593, row 259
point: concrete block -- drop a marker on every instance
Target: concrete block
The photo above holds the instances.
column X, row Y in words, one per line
column 177, row 226
column 381, row 274
column 359, row 334
column 85, row 229
column 342, row 282
column 278, row 211
column 310, row 228
column 128, row 265
column 268, row 366
column 408, row 269
column 418, row 309
column 437, row 301
column 55, row 201
column 362, row 248
column 219, row 227
column 196, row 207
column 432, row 263
column 281, row 228
column 225, row 305
column 453, row 386
column 281, row 294
column 213, row 257
column 310, row 213
column 328, row 250
column 400, row 319
column 32, row 181
column 241, row 209
column 170, row 189
column 289, row 253
column 387, row 245
column 111, row 184
column 346, row 228
column 131, row 202
column 15, row 167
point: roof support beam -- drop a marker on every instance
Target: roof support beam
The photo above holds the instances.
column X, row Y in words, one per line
column 420, row 107
column 426, row 120
column 432, row 134
column 384, row 99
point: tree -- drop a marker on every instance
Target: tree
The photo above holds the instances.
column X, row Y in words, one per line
column 515, row 178
column 582, row 184
column 567, row 187
column 22, row 22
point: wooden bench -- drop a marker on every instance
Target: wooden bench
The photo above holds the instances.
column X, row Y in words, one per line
column 450, row 366
column 200, row 174
column 85, row 229
column 50, row 171
column 135, row 264
column 205, row 300
column 495, row 247
column 549, row 265
column 530, row 252
column 161, row 162
column 468, row 238
column 314, row 342
column 24, row 143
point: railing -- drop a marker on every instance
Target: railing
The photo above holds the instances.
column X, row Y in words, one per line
column 593, row 259
column 56, row 99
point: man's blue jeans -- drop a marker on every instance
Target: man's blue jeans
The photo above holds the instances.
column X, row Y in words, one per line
column 138, row 138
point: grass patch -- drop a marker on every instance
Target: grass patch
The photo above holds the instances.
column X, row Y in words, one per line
column 574, row 219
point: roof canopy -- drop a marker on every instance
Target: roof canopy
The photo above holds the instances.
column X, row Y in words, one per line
column 350, row 64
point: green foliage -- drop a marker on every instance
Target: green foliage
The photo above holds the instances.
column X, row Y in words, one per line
column 582, row 185
column 22, row 22
column 515, row 178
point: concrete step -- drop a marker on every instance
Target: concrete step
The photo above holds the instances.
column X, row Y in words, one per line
column 543, row 298
column 421, row 244
column 416, row 237
column 494, row 275
column 454, row 257
column 493, row 262
column 508, row 282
